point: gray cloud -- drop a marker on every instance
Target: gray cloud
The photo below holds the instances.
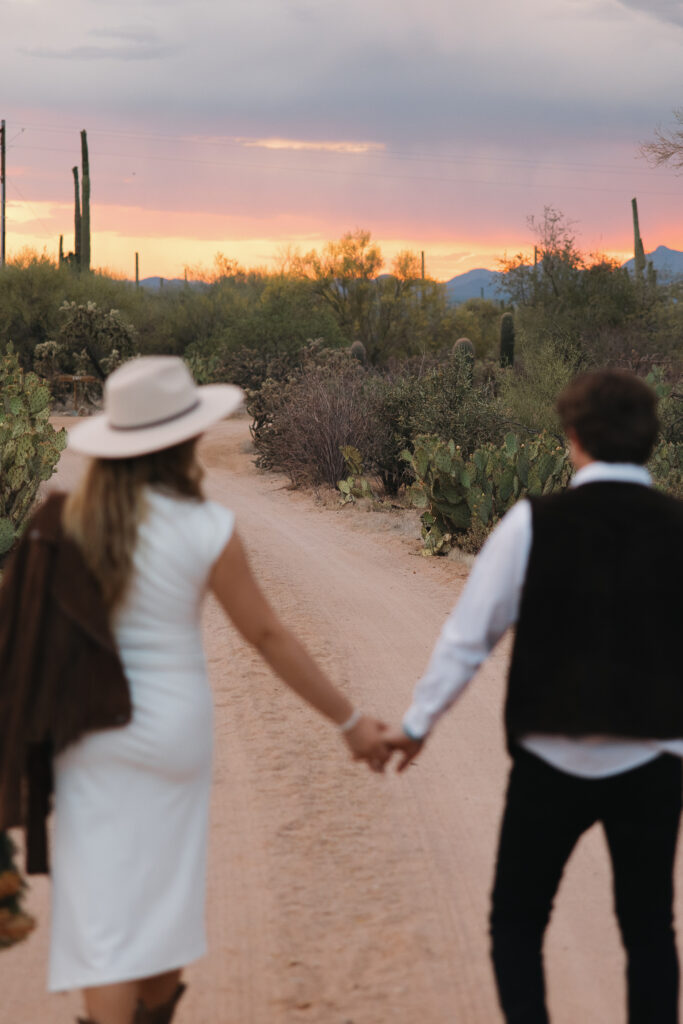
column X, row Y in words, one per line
column 92, row 52
column 536, row 74
column 133, row 35
column 670, row 11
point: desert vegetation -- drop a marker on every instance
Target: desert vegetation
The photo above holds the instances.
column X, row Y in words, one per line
column 356, row 378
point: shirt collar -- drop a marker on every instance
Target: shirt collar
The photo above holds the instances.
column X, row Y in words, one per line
column 612, row 472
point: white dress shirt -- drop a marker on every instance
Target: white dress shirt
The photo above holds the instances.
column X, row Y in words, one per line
column 489, row 604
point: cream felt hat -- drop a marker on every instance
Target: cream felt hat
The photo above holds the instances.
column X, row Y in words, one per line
column 149, row 404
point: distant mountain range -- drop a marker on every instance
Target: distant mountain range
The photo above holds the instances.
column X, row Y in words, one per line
column 476, row 284
column 154, row 284
column 667, row 262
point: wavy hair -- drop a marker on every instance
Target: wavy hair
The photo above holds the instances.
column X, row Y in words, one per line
column 103, row 514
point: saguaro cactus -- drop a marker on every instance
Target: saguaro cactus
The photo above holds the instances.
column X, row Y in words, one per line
column 639, row 251
column 507, row 340
column 77, row 221
column 85, row 215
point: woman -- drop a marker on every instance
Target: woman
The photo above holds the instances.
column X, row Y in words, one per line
column 131, row 803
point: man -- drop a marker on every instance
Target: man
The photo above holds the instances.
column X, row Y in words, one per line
column 592, row 577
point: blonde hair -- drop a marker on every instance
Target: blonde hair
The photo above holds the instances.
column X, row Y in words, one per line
column 103, row 514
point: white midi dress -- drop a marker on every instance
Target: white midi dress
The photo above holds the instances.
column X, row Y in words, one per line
column 131, row 804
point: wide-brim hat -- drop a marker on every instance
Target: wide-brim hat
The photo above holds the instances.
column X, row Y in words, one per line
column 150, row 404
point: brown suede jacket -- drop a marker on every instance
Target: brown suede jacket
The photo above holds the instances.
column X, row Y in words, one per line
column 60, row 673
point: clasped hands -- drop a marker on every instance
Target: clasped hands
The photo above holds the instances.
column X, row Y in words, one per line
column 375, row 742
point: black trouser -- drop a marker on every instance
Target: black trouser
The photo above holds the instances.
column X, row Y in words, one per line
column 546, row 812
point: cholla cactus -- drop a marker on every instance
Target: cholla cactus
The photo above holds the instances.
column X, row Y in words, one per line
column 29, row 445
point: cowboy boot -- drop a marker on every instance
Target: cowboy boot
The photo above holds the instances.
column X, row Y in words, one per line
column 160, row 1014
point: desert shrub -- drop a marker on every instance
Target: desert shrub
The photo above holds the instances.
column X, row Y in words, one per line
column 301, row 425
column 479, row 320
column 29, row 445
column 443, row 401
column 669, row 391
column 666, row 466
column 463, row 498
column 529, row 390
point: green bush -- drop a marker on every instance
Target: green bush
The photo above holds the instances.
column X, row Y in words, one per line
column 444, row 401
column 29, row 445
column 666, row 466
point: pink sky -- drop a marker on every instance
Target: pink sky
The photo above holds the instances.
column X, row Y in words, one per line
column 439, row 130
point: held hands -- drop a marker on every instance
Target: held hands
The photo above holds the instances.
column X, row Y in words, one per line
column 396, row 739
column 371, row 740
column 366, row 742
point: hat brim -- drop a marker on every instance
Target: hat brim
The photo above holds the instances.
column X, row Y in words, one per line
column 96, row 437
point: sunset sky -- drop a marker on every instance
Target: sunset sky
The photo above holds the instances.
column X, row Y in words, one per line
column 251, row 127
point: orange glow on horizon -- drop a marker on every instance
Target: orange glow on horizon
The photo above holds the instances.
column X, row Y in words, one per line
column 169, row 241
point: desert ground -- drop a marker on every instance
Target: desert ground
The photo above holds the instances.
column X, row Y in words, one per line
column 337, row 896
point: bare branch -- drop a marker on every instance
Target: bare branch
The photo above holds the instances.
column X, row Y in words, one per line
column 667, row 145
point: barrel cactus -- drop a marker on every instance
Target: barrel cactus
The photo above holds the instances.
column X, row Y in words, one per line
column 358, row 352
column 507, row 340
column 463, row 354
column 29, row 445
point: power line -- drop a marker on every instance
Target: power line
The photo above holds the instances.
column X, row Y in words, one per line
column 423, row 157
column 289, row 169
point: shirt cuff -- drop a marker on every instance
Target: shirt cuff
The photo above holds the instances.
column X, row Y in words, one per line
column 415, row 723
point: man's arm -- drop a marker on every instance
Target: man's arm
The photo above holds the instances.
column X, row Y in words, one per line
column 488, row 605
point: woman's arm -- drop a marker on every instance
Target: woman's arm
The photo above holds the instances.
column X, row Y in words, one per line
column 234, row 585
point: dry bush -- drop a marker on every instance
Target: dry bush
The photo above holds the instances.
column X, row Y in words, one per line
column 303, row 425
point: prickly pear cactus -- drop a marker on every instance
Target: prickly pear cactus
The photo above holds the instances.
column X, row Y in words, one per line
column 456, row 493
column 29, row 445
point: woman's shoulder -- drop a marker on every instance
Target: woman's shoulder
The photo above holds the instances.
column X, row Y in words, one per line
column 205, row 523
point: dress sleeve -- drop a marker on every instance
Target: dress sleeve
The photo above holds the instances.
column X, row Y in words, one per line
column 217, row 528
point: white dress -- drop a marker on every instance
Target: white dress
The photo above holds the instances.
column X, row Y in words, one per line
column 131, row 804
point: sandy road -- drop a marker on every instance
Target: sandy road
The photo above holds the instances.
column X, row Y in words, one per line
column 339, row 897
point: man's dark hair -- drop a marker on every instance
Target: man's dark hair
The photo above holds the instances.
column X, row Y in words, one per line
column 613, row 414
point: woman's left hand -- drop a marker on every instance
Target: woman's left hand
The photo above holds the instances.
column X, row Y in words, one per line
column 366, row 741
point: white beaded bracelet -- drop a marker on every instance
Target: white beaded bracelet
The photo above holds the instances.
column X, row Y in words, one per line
column 351, row 722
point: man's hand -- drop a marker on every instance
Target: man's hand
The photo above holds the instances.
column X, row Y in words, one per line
column 396, row 739
column 367, row 742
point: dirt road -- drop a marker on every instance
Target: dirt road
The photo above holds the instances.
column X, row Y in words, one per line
column 336, row 896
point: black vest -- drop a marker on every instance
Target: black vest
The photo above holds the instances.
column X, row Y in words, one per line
column 599, row 644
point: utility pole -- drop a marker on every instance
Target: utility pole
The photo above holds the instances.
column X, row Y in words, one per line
column 137, row 269
column 423, row 264
column 3, row 133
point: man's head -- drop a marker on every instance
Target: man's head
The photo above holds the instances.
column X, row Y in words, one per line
column 611, row 414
